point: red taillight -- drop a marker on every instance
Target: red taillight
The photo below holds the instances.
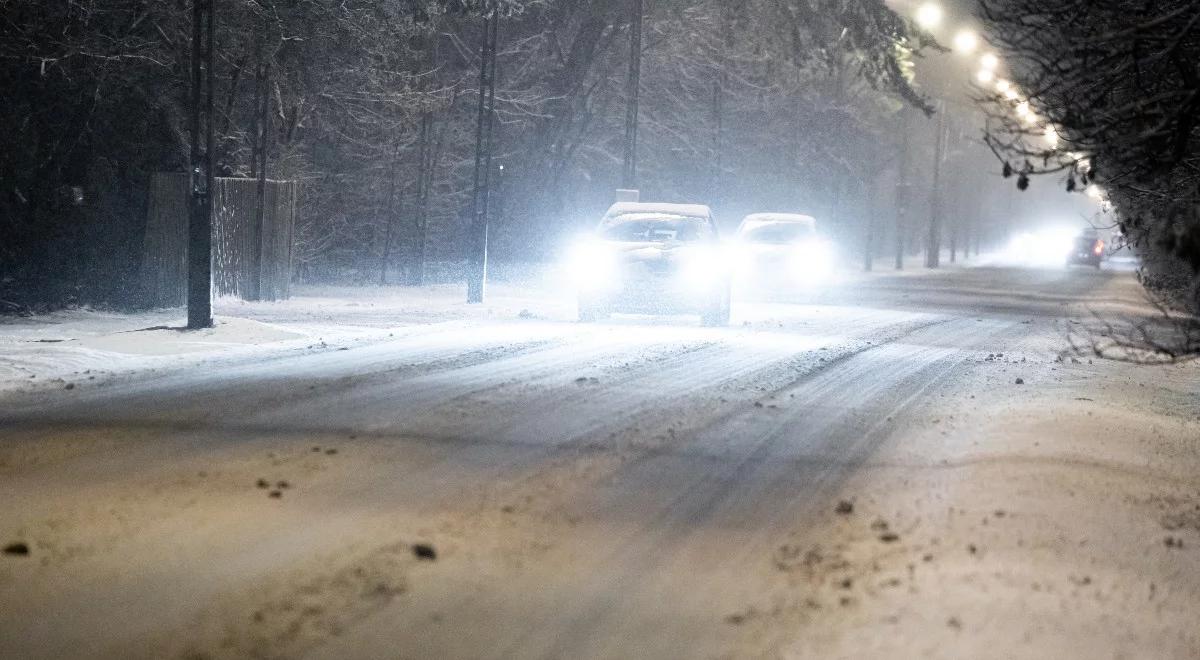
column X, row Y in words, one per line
column 1099, row 249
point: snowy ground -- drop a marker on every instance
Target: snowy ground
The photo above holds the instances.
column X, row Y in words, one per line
column 390, row 473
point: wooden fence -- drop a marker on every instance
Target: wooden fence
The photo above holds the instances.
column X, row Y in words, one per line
column 247, row 263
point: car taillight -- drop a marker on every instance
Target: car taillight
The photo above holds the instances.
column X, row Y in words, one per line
column 1098, row 249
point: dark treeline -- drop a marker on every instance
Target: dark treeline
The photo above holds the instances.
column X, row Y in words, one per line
column 786, row 104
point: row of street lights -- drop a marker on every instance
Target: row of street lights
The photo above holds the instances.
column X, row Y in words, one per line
column 930, row 17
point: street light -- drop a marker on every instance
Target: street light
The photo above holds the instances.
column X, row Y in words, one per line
column 989, row 61
column 984, row 76
column 1051, row 136
column 965, row 42
column 1003, row 86
column 929, row 16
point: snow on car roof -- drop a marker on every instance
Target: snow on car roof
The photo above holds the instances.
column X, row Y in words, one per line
column 686, row 210
column 759, row 219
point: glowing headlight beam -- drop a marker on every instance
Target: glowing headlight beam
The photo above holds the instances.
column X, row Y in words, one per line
column 591, row 265
column 812, row 262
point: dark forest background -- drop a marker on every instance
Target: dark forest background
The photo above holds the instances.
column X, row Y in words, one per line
column 795, row 105
column 760, row 104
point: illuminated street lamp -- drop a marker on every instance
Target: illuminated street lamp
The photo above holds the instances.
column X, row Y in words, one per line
column 929, row 15
column 989, row 61
column 1010, row 94
column 1051, row 136
column 1003, row 86
column 984, row 76
column 1026, row 113
column 965, row 42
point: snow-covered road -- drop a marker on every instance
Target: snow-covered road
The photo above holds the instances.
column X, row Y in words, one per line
column 851, row 475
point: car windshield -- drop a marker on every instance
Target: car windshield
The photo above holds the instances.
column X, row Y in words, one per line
column 1085, row 242
column 654, row 228
column 781, row 233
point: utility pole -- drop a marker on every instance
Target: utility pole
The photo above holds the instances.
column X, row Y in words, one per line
column 869, row 228
column 902, row 186
column 933, row 244
column 633, row 89
column 258, row 167
column 719, row 85
column 955, row 221
column 478, row 256
column 199, row 253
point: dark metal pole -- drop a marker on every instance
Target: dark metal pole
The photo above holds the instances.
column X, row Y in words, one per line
column 263, row 128
column 390, row 216
column 719, row 86
column 869, row 229
column 199, row 253
column 933, row 245
column 477, row 258
column 903, row 184
column 633, row 91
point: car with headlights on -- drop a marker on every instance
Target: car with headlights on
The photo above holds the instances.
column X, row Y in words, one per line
column 647, row 258
column 782, row 250
column 1087, row 249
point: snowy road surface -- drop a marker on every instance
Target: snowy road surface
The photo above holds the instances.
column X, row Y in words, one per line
column 855, row 475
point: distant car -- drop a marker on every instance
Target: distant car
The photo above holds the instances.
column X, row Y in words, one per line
column 1087, row 249
column 782, row 249
column 647, row 258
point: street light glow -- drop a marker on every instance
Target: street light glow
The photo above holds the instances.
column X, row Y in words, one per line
column 985, row 76
column 1010, row 94
column 1051, row 136
column 966, row 42
column 1026, row 113
column 1003, row 86
column 929, row 15
column 989, row 61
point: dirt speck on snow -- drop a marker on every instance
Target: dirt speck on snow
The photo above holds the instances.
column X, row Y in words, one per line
column 17, row 549
column 424, row 551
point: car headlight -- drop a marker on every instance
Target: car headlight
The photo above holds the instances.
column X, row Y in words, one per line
column 739, row 257
column 812, row 261
column 701, row 268
column 591, row 265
